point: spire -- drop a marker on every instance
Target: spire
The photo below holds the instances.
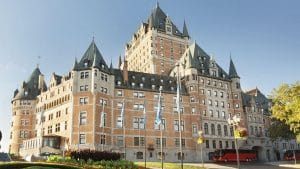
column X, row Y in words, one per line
column 151, row 21
column 185, row 32
column 111, row 66
column 120, row 62
column 75, row 64
column 232, row 70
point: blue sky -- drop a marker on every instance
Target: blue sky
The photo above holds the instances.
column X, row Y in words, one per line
column 262, row 36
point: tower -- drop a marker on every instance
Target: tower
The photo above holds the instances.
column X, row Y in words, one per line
column 157, row 45
column 23, row 110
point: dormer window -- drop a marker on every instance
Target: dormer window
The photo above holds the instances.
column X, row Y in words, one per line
column 153, row 86
column 85, row 64
column 102, row 66
column 119, row 83
column 133, row 77
column 172, row 88
column 161, row 80
column 132, row 84
column 141, row 85
column 152, row 79
column 143, row 79
column 26, row 93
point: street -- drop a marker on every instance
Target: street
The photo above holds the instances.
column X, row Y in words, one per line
column 258, row 165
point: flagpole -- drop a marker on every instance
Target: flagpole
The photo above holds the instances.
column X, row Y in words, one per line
column 145, row 134
column 179, row 116
column 123, row 125
column 161, row 133
column 102, row 125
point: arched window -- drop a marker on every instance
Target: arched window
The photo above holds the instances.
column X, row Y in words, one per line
column 206, row 128
column 213, row 131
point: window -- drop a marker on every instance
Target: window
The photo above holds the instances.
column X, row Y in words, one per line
column 120, row 141
column 192, row 99
column 177, row 142
column 231, row 130
column 66, row 125
column 236, row 96
column 119, row 122
column 83, row 118
column 194, row 129
column 57, row 127
column 102, row 139
column 215, row 93
column 219, row 130
column 214, row 143
column 220, row 145
column 81, row 138
column 207, row 143
column 209, row 92
column 237, row 105
column 163, row 124
column 213, row 131
column 176, row 125
column 139, row 155
column 225, row 130
column 226, row 144
column 210, row 102
column 49, row 129
column 221, row 94
column 211, row 113
column 139, row 141
column 158, row 142
column 206, row 128
column 83, row 100
column 193, row 110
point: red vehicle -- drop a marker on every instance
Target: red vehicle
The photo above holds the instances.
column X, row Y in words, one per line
column 289, row 155
column 226, row 155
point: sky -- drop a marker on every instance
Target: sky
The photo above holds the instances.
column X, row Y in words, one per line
column 262, row 37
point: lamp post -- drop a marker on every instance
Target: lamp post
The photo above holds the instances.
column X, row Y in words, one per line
column 200, row 141
column 234, row 121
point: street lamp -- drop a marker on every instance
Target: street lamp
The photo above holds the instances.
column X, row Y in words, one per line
column 200, row 141
column 235, row 121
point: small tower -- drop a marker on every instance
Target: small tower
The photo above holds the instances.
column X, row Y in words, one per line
column 185, row 32
column 23, row 110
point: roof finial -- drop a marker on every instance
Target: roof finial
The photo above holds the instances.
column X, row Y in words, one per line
column 38, row 62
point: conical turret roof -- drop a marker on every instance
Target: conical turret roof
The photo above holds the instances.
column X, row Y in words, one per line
column 92, row 58
column 232, row 70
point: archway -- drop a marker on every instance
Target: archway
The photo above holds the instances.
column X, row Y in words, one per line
column 259, row 153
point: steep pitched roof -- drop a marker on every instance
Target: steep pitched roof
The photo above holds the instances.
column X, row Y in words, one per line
column 91, row 58
column 135, row 79
column 30, row 89
column 185, row 32
column 232, row 70
column 157, row 20
column 196, row 57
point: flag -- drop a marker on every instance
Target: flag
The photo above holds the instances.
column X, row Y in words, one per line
column 122, row 114
column 158, row 113
column 144, row 114
column 102, row 116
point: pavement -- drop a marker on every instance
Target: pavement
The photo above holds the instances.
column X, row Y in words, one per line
column 287, row 164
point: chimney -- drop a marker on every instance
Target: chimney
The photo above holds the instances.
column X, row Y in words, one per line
column 41, row 82
column 125, row 71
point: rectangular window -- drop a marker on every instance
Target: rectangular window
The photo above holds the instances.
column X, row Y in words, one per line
column 194, row 129
column 120, row 141
column 66, row 125
column 158, row 142
column 119, row 122
column 163, row 125
column 57, row 127
column 139, row 141
column 83, row 100
column 119, row 93
column 102, row 139
column 207, row 143
column 82, row 139
column 83, row 118
column 49, row 129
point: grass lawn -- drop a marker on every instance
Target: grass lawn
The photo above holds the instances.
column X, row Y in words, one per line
column 167, row 165
column 39, row 165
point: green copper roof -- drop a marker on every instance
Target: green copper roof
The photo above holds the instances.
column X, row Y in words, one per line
column 232, row 70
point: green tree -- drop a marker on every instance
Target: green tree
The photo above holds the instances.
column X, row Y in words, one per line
column 286, row 106
column 280, row 130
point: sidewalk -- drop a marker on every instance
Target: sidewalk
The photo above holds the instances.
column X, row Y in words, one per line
column 289, row 164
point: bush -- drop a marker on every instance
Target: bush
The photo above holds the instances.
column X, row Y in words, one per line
column 95, row 155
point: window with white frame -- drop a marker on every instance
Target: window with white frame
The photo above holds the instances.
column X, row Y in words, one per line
column 83, row 118
column 81, row 138
column 194, row 129
column 83, row 100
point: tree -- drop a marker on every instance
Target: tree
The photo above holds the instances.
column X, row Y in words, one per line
column 280, row 130
column 286, row 106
